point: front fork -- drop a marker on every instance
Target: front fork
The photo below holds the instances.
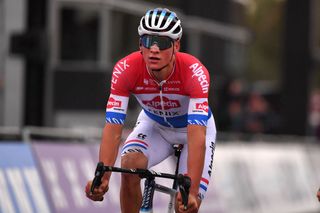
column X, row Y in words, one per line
column 147, row 197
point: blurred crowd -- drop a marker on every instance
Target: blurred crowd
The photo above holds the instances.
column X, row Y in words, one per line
column 314, row 113
column 243, row 109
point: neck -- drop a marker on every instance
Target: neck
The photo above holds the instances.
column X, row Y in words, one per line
column 163, row 73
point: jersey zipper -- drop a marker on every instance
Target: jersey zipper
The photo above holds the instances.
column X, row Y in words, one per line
column 162, row 103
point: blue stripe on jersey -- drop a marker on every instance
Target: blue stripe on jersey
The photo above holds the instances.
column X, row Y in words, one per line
column 115, row 118
column 203, row 187
column 177, row 122
column 199, row 119
column 134, row 144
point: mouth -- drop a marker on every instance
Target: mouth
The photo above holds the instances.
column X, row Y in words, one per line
column 154, row 59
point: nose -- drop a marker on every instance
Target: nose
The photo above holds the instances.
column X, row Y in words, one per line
column 154, row 48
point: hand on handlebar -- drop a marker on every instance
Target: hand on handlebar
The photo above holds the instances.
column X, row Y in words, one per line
column 96, row 188
column 192, row 206
column 98, row 192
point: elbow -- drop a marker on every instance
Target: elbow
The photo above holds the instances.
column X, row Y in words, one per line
column 118, row 137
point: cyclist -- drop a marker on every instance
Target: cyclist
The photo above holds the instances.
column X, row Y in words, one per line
column 172, row 88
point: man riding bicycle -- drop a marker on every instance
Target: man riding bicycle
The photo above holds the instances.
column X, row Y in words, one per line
column 172, row 88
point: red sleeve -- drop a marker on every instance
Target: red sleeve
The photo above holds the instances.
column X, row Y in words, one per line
column 200, row 81
column 197, row 77
column 123, row 75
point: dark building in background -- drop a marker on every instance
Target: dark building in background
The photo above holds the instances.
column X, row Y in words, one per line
column 296, row 82
column 32, row 44
column 79, row 42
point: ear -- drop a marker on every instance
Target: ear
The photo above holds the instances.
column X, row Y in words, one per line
column 176, row 46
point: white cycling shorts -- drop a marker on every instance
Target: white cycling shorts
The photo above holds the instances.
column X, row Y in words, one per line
column 155, row 142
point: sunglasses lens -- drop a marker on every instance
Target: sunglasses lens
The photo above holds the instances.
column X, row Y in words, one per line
column 162, row 42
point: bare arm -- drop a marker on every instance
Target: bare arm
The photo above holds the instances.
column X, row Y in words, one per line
column 196, row 154
column 111, row 139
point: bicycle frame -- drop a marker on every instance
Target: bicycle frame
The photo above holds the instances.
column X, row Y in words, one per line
column 150, row 186
column 147, row 200
column 180, row 181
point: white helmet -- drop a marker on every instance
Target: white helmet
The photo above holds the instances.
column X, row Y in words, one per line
column 162, row 22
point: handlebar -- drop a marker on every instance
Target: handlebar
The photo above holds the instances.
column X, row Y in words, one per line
column 184, row 182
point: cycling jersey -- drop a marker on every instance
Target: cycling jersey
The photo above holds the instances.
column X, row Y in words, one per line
column 179, row 100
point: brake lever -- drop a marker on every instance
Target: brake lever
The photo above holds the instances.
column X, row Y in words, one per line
column 184, row 183
column 98, row 174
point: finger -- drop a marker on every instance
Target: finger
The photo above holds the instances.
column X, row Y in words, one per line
column 191, row 207
column 179, row 198
column 101, row 190
column 95, row 197
column 96, row 193
column 180, row 203
column 182, row 208
column 188, row 210
column 104, row 187
column 97, row 190
column 88, row 186
column 90, row 195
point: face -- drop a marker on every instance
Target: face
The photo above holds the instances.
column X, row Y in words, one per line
column 157, row 52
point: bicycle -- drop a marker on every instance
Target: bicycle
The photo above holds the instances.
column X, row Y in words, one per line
column 183, row 182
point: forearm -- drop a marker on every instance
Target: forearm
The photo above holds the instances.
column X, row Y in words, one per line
column 111, row 139
column 196, row 155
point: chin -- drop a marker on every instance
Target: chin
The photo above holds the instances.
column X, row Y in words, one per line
column 154, row 68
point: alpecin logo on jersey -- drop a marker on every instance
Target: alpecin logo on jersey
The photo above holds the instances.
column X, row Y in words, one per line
column 113, row 103
column 166, row 102
column 200, row 74
column 203, row 106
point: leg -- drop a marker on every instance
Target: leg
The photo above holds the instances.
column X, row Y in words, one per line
column 130, row 192
column 143, row 148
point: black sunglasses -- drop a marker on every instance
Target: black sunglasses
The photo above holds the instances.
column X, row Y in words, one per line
column 161, row 41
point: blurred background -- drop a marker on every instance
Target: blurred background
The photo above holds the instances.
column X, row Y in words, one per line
column 56, row 59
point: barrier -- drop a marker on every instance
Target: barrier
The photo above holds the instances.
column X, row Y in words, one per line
column 65, row 169
column 261, row 178
column 20, row 185
column 50, row 176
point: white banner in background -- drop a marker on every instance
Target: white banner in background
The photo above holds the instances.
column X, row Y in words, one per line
column 261, row 178
column 247, row 178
